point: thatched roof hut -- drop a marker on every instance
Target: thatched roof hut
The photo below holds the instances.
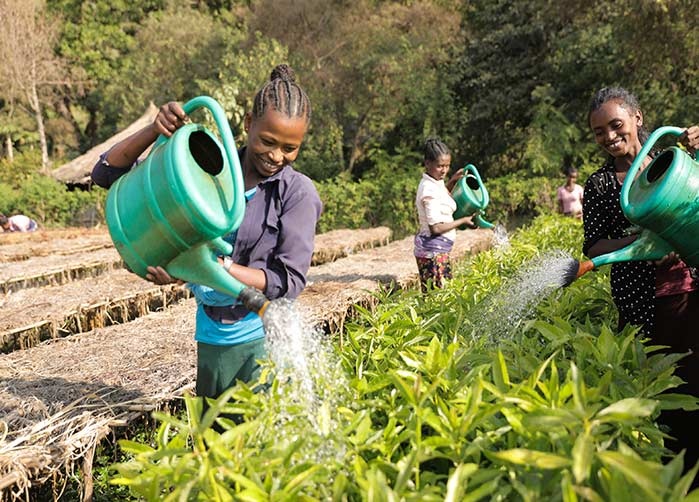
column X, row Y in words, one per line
column 76, row 173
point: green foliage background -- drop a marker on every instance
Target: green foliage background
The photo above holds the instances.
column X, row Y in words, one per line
column 505, row 84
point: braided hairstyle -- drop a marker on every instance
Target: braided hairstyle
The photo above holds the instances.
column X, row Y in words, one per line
column 434, row 148
column 283, row 95
column 626, row 100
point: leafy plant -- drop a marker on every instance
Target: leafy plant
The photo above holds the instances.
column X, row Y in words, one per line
column 434, row 408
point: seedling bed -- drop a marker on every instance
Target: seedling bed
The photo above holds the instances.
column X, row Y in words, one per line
column 17, row 246
column 33, row 315
column 340, row 243
column 32, row 271
column 58, row 399
column 79, row 262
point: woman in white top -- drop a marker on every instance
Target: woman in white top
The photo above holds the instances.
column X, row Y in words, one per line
column 435, row 208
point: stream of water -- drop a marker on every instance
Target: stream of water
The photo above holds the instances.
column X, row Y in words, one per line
column 501, row 241
column 504, row 311
column 312, row 383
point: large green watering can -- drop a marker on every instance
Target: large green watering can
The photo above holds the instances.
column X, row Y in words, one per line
column 664, row 202
column 174, row 208
column 471, row 197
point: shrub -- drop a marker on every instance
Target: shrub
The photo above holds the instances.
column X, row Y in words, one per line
column 50, row 203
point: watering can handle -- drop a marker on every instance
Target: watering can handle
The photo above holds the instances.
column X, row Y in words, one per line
column 636, row 164
column 470, row 168
column 224, row 128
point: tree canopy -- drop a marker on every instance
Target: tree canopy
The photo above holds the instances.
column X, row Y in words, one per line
column 505, row 84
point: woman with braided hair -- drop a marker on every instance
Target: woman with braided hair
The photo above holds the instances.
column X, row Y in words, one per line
column 435, row 209
column 273, row 246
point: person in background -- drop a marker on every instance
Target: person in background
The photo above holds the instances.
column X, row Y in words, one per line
column 661, row 297
column 273, row 246
column 570, row 195
column 435, row 208
column 18, row 223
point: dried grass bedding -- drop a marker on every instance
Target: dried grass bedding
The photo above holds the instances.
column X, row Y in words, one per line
column 52, row 302
column 42, row 265
column 29, row 316
column 335, row 244
column 35, row 262
column 75, row 302
column 60, row 398
column 16, row 246
column 19, row 246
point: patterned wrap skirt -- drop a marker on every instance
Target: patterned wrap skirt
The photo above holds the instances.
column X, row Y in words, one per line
column 433, row 264
column 433, row 270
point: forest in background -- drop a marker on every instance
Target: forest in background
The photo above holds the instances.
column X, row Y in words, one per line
column 505, row 84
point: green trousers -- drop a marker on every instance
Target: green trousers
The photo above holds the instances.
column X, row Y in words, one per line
column 219, row 367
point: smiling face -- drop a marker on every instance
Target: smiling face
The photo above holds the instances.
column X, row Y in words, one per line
column 274, row 141
column 439, row 167
column 616, row 129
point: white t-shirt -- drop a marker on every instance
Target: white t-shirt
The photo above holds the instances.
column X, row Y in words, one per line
column 21, row 223
column 434, row 205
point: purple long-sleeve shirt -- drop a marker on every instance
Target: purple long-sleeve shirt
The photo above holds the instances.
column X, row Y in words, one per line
column 275, row 236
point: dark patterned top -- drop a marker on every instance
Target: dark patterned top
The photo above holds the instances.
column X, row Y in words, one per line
column 632, row 282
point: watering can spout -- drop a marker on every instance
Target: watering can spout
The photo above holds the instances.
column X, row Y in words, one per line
column 648, row 246
column 254, row 300
column 584, row 267
column 200, row 265
column 482, row 222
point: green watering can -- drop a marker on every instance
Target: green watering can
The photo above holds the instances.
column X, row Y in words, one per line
column 664, row 202
column 174, row 208
column 471, row 196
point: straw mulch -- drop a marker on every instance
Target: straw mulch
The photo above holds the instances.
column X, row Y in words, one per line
column 44, row 265
column 31, row 315
column 60, row 398
column 37, row 263
column 16, row 246
column 74, row 302
column 336, row 244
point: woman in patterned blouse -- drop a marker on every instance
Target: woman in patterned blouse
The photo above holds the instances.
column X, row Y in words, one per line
column 661, row 297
